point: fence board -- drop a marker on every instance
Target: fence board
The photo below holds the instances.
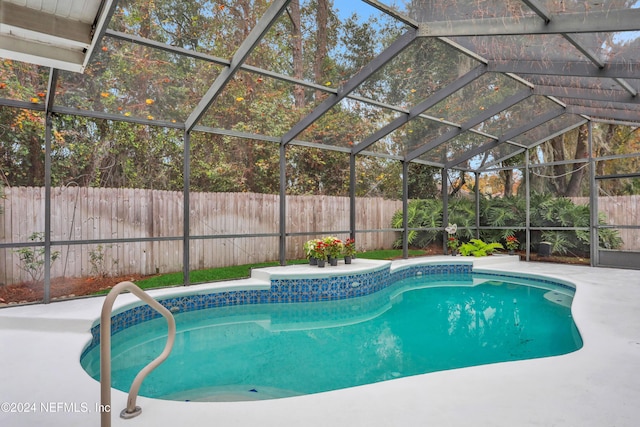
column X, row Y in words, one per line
column 620, row 210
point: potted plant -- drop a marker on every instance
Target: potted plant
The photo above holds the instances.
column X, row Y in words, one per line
column 452, row 240
column 320, row 251
column 512, row 244
column 452, row 244
column 349, row 250
column 308, row 248
column 334, row 246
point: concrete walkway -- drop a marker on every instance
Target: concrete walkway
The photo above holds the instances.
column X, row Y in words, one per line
column 42, row 383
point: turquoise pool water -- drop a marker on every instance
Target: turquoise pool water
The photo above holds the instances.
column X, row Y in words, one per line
column 415, row 326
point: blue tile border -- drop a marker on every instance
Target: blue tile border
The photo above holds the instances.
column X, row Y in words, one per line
column 291, row 290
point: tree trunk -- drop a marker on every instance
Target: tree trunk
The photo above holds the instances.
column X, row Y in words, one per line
column 557, row 147
column 145, row 20
column 508, row 182
column 322, row 16
column 36, row 158
column 603, row 149
column 573, row 188
column 457, row 185
column 298, row 61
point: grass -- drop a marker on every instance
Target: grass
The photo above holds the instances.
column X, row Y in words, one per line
column 244, row 271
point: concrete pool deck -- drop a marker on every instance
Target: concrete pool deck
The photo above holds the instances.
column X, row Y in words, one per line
column 598, row 385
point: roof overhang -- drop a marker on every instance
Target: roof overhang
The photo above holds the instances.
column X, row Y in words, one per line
column 52, row 33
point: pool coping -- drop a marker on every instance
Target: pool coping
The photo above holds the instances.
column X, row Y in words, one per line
column 595, row 386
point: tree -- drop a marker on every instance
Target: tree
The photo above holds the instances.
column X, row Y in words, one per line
column 317, row 171
column 567, row 178
column 617, row 140
column 321, row 43
column 422, row 181
column 22, row 147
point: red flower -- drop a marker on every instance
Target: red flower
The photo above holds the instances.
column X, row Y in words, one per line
column 512, row 242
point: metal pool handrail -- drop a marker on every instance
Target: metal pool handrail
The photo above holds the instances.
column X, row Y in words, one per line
column 105, row 352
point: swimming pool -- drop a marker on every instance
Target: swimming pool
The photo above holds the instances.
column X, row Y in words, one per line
column 424, row 319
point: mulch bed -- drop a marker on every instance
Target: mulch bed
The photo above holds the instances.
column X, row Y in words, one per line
column 61, row 287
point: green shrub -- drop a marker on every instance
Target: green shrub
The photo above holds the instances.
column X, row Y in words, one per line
column 547, row 210
column 462, row 212
column 550, row 211
column 421, row 214
column 32, row 259
column 478, row 248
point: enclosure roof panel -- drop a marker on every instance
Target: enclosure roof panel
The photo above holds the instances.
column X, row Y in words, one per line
column 246, row 105
column 439, row 11
column 284, row 48
column 549, row 129
column 137, row 81
column 522, row 47
column 209, row 27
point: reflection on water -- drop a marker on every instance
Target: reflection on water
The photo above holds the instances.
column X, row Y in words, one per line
column 276, row 350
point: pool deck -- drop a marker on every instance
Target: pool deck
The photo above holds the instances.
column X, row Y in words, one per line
column 598, row 385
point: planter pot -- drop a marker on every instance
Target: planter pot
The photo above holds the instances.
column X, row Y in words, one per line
column 512, row 252
column 333, row 261
column 321, row 263
column 347, row 259
column 544, row 249
column 454, row 253
column 313, row 261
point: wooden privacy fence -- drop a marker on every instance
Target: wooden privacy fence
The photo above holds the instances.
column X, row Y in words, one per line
column 619, row 210
column 82, row 213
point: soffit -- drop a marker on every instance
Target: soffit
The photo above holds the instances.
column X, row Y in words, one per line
column 52, row 33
